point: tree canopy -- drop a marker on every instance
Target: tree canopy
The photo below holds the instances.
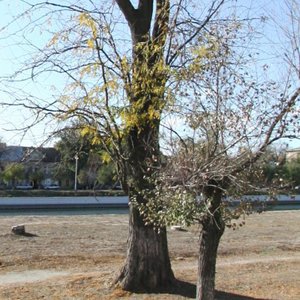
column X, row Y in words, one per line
column 133, row 72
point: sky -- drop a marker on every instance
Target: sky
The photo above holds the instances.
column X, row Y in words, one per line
column 12, row 52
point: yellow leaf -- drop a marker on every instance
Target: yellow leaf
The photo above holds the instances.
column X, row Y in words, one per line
column 105, row 157
column 90, row 43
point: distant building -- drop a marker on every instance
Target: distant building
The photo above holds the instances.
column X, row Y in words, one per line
column 39, row 163
column 293, row 154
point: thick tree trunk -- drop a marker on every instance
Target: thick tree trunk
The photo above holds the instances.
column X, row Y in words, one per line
column 212, row 230
column 147, row 266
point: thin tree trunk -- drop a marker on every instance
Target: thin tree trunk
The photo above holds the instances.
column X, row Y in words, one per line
column 213, row 228
column 147, row 266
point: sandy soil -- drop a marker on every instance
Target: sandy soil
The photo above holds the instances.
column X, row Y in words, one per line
column 77, row 257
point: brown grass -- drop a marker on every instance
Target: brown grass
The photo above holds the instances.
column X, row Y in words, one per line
column 258, row 261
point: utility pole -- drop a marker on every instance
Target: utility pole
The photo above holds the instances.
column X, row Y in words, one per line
column 76, row 171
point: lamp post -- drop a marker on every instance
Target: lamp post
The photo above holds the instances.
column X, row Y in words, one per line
column 76, row 170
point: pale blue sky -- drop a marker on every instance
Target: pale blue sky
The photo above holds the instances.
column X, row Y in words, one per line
column 13, row 52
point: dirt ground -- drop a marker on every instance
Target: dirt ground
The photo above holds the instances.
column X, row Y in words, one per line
column 77, row 257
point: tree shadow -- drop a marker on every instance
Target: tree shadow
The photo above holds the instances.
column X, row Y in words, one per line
column 230, row 296
column 188, row 290
column 182, row 288
column 175, row 287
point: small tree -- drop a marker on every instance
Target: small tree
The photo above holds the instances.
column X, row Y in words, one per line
column 70, row 144
column 227, row 120
column 12, row 173
column 292, row 172
column 36, row 178
column 97, row 172
column 106, row 175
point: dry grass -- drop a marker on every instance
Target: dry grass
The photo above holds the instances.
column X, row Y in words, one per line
column 77, row 257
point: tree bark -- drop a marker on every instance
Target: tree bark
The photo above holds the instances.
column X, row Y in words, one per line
column 212, row 230
column 147, row 266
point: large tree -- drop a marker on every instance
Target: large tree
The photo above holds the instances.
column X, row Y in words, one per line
column 117, row 84
column 122, row 81
column 147, row 264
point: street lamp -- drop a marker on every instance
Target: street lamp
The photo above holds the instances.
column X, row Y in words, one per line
column 76, row 170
